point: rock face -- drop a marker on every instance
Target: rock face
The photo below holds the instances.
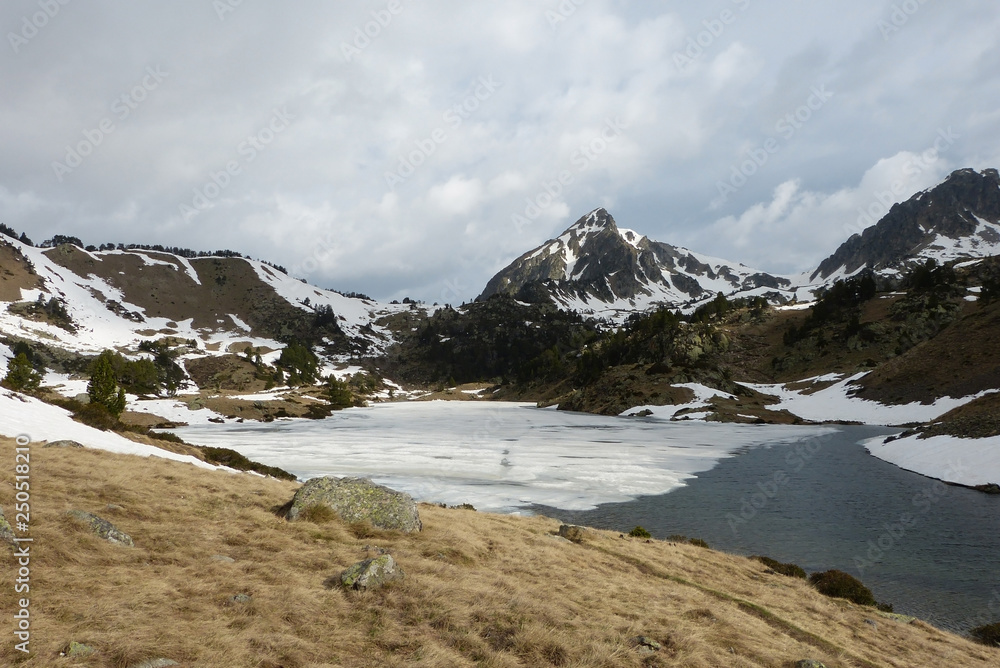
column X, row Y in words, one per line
column 595, row 263
column 359, row 500
column 371, row 573
column 958, row 218
column 102, row 528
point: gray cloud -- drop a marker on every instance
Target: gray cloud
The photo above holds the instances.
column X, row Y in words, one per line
column 409, row 99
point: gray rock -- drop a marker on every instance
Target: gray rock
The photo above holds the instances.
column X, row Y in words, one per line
column 223, row 558
column 809, row 663
column 574, row 533
column 371, row 573
column 79, row 650
column 239, row 599
column 6, row 531
column 872, row 623
column 646, row 645
column 102, row 528
column 63, row 444
column 154, row 663
column 359, row 500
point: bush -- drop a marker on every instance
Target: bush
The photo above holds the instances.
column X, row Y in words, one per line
column 99, row 417
column 234, row 460
column 791, row 570
column 987, row 635
column 639, row 532
column 681, row 538
column 838, row 584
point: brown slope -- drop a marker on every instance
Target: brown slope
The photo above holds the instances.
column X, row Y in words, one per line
column 15, row 274
column 960, row 361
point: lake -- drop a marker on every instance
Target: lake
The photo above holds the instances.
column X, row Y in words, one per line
column 807, row 494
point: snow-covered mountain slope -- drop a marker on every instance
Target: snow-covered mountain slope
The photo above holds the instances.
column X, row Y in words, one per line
column 117, row 299
column 958, row 219
column 598, row 268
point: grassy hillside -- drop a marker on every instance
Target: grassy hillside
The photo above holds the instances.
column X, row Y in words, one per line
column 480, row 589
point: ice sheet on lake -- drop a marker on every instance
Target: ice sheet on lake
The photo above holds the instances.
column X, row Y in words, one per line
column 496, row 456
column 962, row 460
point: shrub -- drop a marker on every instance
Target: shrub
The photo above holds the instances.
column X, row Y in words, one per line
column 103, row 387
column 234, row 460
column 98, row 416
column 791, row 570
column 681, row 538
column 639, row 532
column 838, row 584
column 987, row 635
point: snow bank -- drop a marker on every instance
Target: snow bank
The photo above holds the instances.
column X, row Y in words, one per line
column 835, row 403
column 960, row 460
column 42, row 422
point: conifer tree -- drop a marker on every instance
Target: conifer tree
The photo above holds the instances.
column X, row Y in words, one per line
column 103, row 386
column 21, row 376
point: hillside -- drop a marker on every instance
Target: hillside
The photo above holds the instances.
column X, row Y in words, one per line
column 472, row 595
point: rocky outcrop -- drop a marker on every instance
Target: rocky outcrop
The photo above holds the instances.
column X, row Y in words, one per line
column 371, row 573
column 6, row 531
column 359, row 500
column 952, row 211
column 102, row 528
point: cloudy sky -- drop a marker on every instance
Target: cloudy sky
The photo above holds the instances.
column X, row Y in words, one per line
column 399, row 148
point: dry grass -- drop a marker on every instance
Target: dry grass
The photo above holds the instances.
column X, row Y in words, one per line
column 480, row 589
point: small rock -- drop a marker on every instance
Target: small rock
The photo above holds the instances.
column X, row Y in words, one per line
column 102, row 528
column 63, row 444
column 376, row 549
column 223, row 558
column 371, row 573
column 239, row 599
column 572, row 532
column 559, row 538
column 809, row 663
column 872, row 623
column 79, row 650
column 114, row 508
column 646, row 644
column 155, row 663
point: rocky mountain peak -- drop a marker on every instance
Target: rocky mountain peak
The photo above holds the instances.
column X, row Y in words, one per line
column 959, row 218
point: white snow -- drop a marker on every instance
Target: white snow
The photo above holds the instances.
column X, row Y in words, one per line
column 702, row 395
column 22, row 415
column 497, row 456
column 835, row 403
column 949, row 458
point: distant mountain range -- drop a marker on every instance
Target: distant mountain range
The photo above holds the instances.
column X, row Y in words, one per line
column 597, row 267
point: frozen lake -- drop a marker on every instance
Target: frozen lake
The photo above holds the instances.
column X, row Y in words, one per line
column 497, row 456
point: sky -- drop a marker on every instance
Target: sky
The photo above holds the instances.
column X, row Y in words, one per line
column 402, row 148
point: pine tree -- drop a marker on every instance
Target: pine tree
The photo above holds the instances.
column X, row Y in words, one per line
column 21, row 376
column 103, row 386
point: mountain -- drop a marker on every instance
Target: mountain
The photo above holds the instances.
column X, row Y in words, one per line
column 597, row 267
column 957, row 219
column 85, row 301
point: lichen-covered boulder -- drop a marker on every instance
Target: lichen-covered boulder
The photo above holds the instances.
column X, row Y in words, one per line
column 6, row 530
column 371, row 573
column 359, row 500
column 63, row 444
column 574, row 533
column 102, row 528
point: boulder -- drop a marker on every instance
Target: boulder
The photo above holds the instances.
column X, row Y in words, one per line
column 573, row 532
column 371, row 573
column 78, row 650
column 359, row 500
column 63, row 444
column 6, row 531
column 102, row 528
column 809, row 663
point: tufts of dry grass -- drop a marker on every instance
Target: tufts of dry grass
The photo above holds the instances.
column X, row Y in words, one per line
column 480, row 589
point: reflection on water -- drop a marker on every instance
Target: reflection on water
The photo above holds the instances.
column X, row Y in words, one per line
column 931, row 550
